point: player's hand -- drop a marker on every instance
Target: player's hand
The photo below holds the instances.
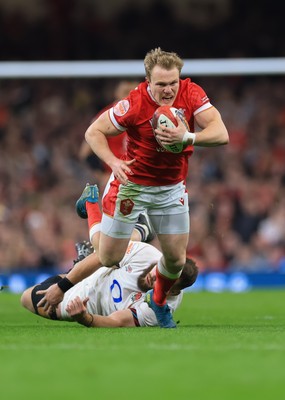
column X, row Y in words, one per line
column 169, row 136
column 52, row 297
column 76, row 308
column 121, row 170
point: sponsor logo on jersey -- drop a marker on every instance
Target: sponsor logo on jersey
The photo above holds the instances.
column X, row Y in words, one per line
column 121, row 108
column 129, row 249
column 129, row 269
column 136, row 296
column 160, row 150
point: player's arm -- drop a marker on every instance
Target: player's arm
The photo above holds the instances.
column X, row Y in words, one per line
column 214, row 132
column 76, row 308
column 118, row 319
column 96, row 136
column 54, row 294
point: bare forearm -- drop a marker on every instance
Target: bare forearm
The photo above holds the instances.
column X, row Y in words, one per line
column 213, row 131
column 99, row 145
column 84, row 268
column 118, row 319
column 214, row 135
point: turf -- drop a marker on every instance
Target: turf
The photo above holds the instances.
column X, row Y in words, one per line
column 227, row 346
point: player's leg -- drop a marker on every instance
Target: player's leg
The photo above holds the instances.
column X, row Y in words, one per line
column 170, row 265
column 173, row 247
column 143, row 230
column 121, row 221
column 87, row 206
column 112, row 249
column 30, row 298
column 171, row 223
column 26, row 300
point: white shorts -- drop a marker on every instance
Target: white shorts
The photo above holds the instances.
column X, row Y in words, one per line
column 167, row 207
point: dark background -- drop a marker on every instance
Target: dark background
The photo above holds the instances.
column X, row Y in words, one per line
column 111, row 29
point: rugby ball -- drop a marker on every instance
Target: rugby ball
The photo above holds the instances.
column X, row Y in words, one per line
column 166, row 116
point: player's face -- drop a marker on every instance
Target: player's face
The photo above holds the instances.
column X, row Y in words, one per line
column 146, row 279
column 164, row 85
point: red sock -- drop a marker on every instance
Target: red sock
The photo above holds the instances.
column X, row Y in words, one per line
column 162, row 287
column 94, row 213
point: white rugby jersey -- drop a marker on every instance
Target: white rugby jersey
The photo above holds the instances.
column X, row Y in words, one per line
column 111, row 290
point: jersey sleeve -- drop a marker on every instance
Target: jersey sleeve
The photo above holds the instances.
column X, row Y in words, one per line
column 124, row 113
column 145, row 315
column 199, row 99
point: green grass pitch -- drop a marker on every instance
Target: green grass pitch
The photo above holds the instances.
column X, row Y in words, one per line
column 227, row 346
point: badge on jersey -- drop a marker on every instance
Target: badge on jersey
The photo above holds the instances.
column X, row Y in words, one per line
column 121, row 108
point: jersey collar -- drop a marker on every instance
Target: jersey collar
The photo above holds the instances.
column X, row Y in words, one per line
column 150, row 94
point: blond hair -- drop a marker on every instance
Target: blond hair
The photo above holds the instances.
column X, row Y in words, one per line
column 164, row 59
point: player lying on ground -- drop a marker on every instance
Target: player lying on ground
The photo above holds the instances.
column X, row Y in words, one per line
column 88, row 203
column 113, row 297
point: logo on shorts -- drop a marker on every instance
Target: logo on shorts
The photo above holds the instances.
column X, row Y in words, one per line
column 126, row 206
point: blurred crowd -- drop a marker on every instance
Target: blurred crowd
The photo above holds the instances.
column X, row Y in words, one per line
column 237, row 195
column 237, row 199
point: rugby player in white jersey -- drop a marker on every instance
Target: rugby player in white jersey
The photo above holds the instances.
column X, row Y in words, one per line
column 113, row 297
column 110, row 297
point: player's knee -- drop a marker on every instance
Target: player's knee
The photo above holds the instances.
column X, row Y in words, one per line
column 26, row 300
column 175, row 263
column 109, row 260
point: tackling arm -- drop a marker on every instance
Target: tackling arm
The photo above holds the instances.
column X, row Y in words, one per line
column 118, row 319
column 54, row 295
column 76, row 308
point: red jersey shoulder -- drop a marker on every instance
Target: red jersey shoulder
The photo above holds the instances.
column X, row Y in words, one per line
column 193, row 94
column 122, row 107
column 130, row 109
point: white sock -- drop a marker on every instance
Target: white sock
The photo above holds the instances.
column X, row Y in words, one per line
column 163, row 271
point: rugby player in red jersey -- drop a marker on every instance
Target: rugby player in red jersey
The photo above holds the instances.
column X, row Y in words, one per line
column 148, row 178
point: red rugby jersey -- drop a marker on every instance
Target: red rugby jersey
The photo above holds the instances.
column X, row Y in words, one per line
column 154, row 165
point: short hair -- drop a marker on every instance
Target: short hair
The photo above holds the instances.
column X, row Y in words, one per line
column 164, row 59
column 188, row 276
